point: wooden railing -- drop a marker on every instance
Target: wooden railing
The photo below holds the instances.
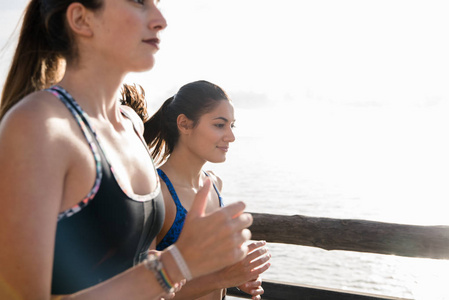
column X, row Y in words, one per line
column 343, row 234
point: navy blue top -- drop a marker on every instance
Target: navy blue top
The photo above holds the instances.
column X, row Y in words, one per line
column 109, row 231
column 175, row 230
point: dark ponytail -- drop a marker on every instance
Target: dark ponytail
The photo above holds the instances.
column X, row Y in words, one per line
column 44, row 45
column 161, row 132
column 193, row 100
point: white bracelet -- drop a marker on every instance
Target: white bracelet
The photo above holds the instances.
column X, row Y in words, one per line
column 182, row 265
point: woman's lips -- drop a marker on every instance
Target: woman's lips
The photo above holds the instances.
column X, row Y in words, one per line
column 154, row 42
column 225, row 149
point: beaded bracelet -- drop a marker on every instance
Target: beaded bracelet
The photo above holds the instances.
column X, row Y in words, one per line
column 154, row 264
column 182, row 265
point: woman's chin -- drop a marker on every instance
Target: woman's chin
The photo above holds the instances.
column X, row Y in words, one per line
column 218, row 160
column 144, row 66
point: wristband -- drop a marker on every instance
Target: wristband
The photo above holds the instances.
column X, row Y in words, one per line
column 182, row 265
column 154, row 264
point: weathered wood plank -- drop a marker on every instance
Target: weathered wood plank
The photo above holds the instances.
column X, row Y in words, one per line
column 353, row 235
column 275, row 290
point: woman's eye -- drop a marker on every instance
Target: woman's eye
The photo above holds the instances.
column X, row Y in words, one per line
column 219, row 125
column 139, row 1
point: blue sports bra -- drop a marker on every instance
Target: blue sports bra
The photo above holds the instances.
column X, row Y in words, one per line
column 175, row 230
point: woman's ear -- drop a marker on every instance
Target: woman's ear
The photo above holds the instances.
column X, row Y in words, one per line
column 78, row 19
column 184, row 124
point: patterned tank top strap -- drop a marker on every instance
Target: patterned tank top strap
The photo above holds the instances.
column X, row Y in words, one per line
column 136, row 130
column 90, row 136
column 130, row 118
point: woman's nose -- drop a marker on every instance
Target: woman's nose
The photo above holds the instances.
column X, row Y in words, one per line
column 157, row 20
column 230, row 137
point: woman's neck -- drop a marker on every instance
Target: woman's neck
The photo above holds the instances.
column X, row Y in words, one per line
column 184, row 170
column 95, row 92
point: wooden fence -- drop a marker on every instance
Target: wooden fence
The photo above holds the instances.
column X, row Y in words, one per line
column 348, row 235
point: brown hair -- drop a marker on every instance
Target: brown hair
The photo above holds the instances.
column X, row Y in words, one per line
column 135, row 98
column 193, row 100
column 44, row 42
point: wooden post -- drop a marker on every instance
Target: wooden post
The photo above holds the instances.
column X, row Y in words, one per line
column 353, row 235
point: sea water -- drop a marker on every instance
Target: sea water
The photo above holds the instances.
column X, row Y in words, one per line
column 387, row 164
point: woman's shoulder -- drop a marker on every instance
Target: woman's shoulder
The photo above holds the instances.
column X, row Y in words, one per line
column 215, row 179
column 35, row 106
column 38, row 116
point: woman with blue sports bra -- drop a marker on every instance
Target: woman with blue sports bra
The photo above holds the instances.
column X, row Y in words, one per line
column 81, row 199
column 191, row 128
column 173, row 233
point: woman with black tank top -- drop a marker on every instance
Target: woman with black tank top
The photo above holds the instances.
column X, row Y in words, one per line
column 81, row 200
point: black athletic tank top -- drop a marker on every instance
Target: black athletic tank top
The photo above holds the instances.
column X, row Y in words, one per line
column 110, row 230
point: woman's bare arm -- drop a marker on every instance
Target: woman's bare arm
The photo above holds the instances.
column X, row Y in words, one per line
column 33, row 168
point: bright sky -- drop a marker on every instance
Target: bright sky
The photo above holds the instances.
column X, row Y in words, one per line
column 344, row 50
column 369, row 52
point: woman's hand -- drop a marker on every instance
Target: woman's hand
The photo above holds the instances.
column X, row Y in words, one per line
column 245, row 274
column 248, row 269
column 253, row 288
column 212, row 242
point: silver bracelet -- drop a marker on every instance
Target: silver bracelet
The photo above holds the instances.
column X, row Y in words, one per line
column 182, row 265
column 154, row 264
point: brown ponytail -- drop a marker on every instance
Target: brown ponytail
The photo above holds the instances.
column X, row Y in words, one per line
column 44, row 43
column 135, row 99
